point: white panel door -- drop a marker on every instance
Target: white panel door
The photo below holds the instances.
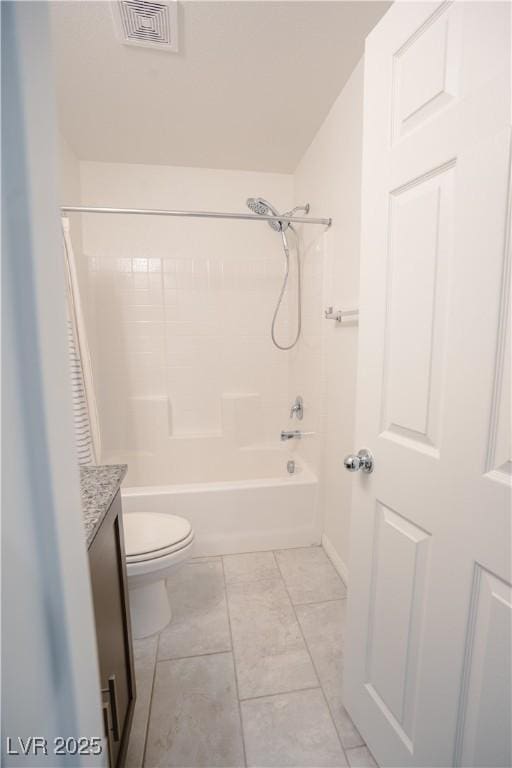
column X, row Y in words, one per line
column 427, row 675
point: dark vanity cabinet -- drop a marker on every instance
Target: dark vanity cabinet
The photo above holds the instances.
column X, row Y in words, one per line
column 112, row 615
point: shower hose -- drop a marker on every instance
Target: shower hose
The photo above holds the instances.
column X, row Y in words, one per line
column 283, row 289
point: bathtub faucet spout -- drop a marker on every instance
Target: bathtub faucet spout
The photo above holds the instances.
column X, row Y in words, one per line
column 292, row 434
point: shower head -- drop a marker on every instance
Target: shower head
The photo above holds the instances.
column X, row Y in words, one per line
column 264, row 208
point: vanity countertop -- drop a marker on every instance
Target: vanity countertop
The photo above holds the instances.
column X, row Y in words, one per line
column 98, row 486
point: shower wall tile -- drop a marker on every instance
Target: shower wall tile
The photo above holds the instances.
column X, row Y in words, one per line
column 183, row 308
column 179, row 328
column 143, row 312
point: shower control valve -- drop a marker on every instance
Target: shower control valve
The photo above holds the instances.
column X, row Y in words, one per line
column 297, row 408
column 330, row 314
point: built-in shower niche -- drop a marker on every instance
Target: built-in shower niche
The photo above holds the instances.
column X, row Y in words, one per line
column 150, row 423
column 241, row 420
column 244, row 447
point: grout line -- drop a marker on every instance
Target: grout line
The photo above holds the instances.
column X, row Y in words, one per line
column 253, row 580
column 194, row 655
column 261, row 551
column 311, row 602
column 283, row 693
column 320, row 602
column 303, row 546
column 150, row 704
column 234, row 663
column 315, row 669
column 362, row 746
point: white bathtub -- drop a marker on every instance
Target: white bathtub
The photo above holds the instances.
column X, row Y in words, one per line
column 239, row 515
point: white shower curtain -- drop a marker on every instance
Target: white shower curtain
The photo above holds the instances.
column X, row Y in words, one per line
column 87, row 428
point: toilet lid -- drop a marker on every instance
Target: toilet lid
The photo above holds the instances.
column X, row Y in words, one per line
column 146, row 532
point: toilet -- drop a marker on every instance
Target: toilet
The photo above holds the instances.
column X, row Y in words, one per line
column 155, row 545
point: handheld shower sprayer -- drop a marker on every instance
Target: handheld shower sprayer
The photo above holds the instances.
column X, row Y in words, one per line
column 262, row 207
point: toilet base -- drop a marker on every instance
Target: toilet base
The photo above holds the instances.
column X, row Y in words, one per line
column 149, row 608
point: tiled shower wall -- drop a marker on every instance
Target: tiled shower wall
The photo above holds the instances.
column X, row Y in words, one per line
column 182, row 308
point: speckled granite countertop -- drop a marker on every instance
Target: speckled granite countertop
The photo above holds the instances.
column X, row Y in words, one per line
column 98, row 486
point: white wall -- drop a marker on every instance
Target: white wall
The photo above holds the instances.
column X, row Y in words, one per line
column 323, row 367
column 69, row 173
column 183, row 310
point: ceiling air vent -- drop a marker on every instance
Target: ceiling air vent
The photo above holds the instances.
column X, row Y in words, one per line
column 147, row 24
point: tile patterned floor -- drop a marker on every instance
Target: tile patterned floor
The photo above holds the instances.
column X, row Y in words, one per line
column 249, row 671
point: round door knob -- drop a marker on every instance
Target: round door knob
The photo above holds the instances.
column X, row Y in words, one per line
column 363, row 461
column 352, row 463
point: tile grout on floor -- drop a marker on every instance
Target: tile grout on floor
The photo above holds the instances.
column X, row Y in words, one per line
column 259, row 551
column 234, row 661
column 312, row 661
column 281, row 693
column 195, row 655
column 150, row 703
column 322, row 602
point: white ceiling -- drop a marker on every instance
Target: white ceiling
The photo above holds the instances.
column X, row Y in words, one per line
column 249, row 88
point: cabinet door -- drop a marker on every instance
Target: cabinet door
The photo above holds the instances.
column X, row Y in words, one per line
column 106, row 558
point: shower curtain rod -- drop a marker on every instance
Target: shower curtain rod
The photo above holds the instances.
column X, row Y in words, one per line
column 197, row 214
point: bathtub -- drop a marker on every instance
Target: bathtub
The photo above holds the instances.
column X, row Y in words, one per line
column 239, row 515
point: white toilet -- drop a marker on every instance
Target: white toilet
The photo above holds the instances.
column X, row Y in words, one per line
column 155, row 545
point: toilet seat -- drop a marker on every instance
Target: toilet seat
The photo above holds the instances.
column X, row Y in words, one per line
column 156, row 545
column 151, row 536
